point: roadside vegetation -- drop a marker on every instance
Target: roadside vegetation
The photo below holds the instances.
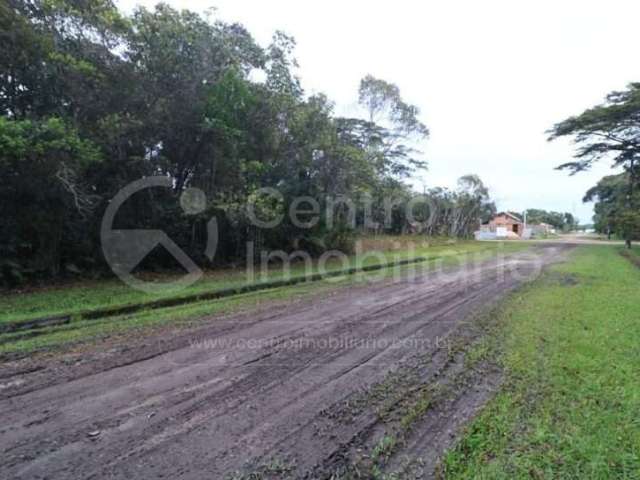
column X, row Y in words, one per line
column 93, row 99
column 568, row 407
column 87, row 295
column 78, row 298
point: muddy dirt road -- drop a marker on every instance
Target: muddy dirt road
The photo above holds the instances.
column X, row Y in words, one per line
column 369, row 378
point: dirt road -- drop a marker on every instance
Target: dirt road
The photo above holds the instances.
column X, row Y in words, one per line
column 578, row 238
column 372, row 377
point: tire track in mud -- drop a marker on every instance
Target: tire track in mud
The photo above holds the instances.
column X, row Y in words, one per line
column 192, row 411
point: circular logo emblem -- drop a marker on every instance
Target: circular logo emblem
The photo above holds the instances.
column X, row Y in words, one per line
column 125, row 249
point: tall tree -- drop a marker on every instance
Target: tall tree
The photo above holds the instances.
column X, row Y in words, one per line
column 612, row 214
column 392, row 125
column 607, row 131
column 178, row 57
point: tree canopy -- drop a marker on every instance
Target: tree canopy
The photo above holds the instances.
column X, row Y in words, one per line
column 612, row 212
column 561, row 221
column 609, row 131
column 92, row 99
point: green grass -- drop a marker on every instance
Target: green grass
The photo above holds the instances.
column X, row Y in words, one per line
column 570, row 404
column 635, row 249
column 85, row 331
column 111, row 293
column 141, row 322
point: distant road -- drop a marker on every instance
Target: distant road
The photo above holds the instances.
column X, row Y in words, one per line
column 571, row 239
column 582, row 239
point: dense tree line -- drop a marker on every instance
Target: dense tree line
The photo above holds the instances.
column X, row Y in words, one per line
column 91, row 99
column 562, row 222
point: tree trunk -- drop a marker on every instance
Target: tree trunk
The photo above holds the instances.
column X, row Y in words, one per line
column 630, row 203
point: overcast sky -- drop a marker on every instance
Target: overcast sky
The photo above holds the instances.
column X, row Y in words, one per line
column 490, row 77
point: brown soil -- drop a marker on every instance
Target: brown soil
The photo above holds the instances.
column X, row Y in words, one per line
column 368, row 379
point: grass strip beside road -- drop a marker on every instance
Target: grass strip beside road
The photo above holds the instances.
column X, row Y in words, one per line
column 114, row 294
column 98, row 313
column 144, row 321
column 569, row 405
